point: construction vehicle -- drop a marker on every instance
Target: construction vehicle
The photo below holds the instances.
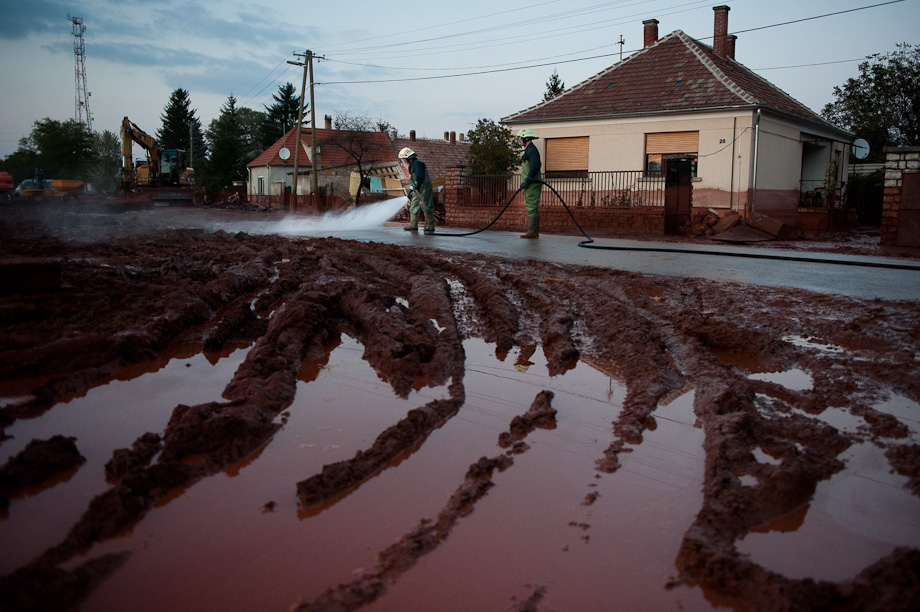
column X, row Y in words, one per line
column 164, row 175
column 37, row 189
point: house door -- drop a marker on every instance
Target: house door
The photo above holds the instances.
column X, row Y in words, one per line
column 678, row 194
column 909, row 213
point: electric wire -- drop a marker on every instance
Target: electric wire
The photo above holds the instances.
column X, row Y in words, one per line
column 511, row 66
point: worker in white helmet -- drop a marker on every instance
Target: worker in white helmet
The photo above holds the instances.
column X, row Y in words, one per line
column 531, row 182
column 420, row 192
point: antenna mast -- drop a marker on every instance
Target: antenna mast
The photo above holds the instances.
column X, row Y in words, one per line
column 81, row 96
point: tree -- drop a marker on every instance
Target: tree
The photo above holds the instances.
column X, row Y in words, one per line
column 554, row 86
column 493, row 149
column 882, row 105
column 280, row 116
column 178, row 120
column 227, row 162
column 251, row 122
column 62, row 149
column 106, row 170
column 385, row 126
column 352, row 135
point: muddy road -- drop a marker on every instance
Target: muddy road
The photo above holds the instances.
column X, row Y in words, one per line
column 198, row 420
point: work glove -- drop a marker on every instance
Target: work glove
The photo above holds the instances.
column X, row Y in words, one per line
column 525, row 184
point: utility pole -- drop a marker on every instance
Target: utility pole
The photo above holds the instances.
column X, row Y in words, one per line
column 313, row 161
column 303, row 88
column 621, row 42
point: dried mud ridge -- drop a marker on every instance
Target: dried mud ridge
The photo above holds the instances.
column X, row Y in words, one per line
column 126, row 299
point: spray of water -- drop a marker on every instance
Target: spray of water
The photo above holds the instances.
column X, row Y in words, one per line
column 368, row 216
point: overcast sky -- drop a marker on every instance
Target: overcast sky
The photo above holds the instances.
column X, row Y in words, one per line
column 381, row 58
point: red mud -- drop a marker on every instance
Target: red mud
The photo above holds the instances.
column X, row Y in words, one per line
column 127, row 295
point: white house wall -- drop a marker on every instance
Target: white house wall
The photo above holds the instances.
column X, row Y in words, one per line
column 619, row 144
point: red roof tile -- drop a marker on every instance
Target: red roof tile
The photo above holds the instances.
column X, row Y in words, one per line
column 375, row 146
column 676, row 74
column 438, row 155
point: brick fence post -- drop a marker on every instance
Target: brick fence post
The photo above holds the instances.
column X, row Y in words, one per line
column 898, row 160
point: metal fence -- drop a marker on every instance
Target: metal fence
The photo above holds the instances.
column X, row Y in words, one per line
column 620, row 189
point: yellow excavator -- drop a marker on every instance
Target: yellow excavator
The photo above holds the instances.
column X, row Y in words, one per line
column 165, row 173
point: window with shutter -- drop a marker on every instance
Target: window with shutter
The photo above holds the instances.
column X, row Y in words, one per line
column 566, row 157
column 661, row 146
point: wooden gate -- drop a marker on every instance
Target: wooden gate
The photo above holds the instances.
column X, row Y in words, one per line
column 909, row 213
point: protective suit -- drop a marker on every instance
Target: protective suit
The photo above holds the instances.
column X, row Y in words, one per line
column 421, row 192
column 421, row 196
column 531, row 183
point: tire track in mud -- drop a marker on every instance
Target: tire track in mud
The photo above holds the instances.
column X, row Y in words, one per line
column 398, row 558
column 124, row 301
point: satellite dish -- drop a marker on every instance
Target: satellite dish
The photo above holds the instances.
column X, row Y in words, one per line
column 284, row 153
column 860, row 148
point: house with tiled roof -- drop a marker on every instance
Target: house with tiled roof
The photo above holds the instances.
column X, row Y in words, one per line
column 754, row 149
column 439, row 155
column 343, row 157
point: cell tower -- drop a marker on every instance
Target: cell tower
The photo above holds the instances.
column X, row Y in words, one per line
column 81, row 96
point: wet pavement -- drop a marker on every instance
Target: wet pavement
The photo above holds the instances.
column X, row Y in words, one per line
column 850, row 275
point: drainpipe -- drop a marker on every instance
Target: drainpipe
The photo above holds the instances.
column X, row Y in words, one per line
column 756, row 149
column 731, row 184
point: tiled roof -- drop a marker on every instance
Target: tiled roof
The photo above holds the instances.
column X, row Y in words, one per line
column 438, row 155
column 376, row 147
column 676, row 74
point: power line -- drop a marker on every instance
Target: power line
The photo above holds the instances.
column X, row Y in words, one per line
column 858, row 59
column 510, row 68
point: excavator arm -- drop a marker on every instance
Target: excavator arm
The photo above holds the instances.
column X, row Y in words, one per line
column 131, row 134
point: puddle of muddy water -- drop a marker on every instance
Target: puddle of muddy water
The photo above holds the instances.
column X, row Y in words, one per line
column 108, row 417
column 239, row 541
column 854, row 519
column 794, row 379
column 535, row 528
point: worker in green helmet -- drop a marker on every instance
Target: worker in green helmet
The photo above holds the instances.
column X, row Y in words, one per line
column 420, row 193
column 531, row 182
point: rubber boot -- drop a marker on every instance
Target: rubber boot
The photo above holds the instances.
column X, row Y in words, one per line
column 413, row 223
column 429, row 223
column 533, row 227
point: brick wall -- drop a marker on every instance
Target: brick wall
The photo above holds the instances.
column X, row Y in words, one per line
column 897, row 161
column 595, row 221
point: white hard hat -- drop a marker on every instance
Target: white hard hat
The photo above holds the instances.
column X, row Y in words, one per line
column 406, row 153
column 526, row 133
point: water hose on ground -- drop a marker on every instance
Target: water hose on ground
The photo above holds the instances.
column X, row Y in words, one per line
column 588, row 243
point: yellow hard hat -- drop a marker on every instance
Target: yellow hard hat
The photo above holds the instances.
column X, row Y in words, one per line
column 526, row 133
column 406, row 153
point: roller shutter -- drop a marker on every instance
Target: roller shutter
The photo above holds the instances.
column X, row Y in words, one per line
column 672, row 142
column 566, row 154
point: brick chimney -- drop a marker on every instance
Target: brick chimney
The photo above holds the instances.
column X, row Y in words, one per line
column 730, row 46
column 453, row 138
column 446, row 135
column 721, row 29
column 412, row 135
column 651, row 32
column 328, row 122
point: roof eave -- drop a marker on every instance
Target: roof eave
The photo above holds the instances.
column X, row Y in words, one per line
column 687, row 111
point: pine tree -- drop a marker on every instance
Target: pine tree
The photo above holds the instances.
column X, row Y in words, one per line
column 280, row 116
column 178, row 117
column 554, row 86
column 227, row 162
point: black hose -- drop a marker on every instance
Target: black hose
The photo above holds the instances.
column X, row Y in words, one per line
column 588, row 244
column 507, row 204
